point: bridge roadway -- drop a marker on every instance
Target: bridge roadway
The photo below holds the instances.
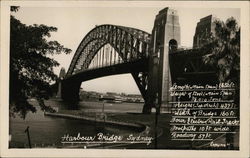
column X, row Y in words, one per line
column 119, row 68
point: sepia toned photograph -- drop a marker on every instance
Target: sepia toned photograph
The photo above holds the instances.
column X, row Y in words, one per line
column 158, row 77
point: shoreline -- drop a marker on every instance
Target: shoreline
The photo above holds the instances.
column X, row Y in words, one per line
column 100, row 119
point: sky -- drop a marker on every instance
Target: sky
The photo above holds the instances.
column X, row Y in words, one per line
column 74, row 23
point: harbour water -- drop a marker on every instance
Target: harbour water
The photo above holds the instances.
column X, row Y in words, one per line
column 48, row 131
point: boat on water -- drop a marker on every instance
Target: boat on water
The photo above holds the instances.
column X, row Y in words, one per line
column 111, row 99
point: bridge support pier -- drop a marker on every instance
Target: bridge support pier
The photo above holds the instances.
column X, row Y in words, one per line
column 147, row 108
column 70, row 93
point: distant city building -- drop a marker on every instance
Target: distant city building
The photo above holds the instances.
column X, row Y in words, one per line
column 134, row 98
column 89, row 96
column 111, row 97
column 112, row 93
column 204, row 28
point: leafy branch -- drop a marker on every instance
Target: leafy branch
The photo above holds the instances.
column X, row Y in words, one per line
column 31, row 70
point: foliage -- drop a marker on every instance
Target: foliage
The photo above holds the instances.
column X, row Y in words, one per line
column 224, row 48
column 14, row 8
column 31, row 71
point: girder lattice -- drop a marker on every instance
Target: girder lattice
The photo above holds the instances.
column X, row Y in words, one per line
column 130, row 44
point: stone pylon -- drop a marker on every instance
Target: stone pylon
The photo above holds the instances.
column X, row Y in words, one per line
column 61, row 77
column 165, row 40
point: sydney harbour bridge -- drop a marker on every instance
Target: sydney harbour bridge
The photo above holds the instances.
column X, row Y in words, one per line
column 154, row 60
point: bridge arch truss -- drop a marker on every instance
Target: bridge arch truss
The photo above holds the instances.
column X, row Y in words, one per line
column 130, row 44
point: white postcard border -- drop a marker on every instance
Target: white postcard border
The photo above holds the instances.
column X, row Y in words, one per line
column 244, row 91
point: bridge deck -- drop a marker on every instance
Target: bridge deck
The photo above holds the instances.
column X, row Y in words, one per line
column 122, row 68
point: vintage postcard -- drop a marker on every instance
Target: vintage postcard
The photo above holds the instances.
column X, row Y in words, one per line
column 124, row 79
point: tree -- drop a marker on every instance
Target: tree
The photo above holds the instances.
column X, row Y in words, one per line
column 224, row 55
column 31, row 70
column 224, row 52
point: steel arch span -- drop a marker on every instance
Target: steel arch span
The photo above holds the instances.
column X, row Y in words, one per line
column 130, row 43
column 110, row 49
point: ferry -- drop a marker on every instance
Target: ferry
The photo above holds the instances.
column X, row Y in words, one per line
column 111, row 99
